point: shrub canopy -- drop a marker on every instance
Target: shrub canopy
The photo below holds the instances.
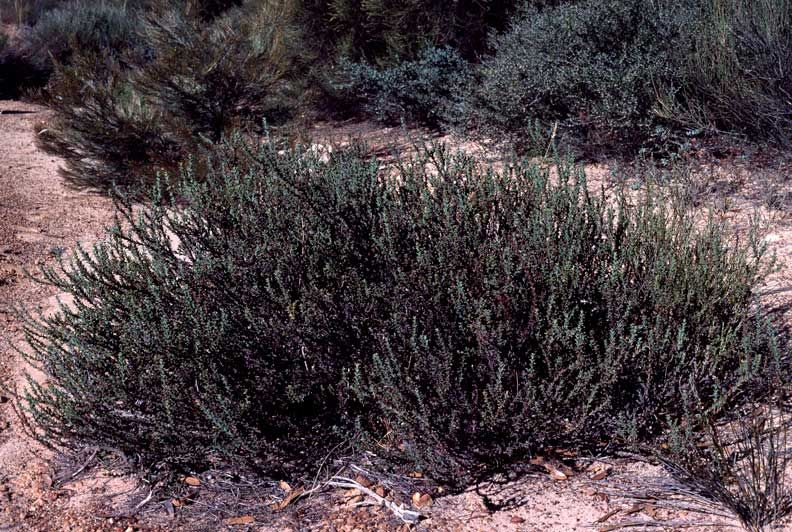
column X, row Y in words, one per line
column 470, row 315
column 89, row 27
column 426, row 90
column 120, row 120
column 595, row 68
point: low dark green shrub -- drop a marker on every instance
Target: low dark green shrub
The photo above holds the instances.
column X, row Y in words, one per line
column 593, row 67
column 90, row 27
column 424, row 90
column 458, row 315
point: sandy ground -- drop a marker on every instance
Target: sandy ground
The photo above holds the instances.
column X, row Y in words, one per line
column 41, row 217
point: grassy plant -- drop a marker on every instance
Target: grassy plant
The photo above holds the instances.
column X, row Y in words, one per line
column 737, row 471
column 738, row 76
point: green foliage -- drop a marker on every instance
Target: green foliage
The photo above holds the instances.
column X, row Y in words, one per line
column 739, row 73
column 423, row 90
column 593, row 67
column 458, row 315
column 119, row 120
column 385, row 31
column 88, row 26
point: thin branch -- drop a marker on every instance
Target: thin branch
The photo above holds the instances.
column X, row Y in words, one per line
column 405, row 515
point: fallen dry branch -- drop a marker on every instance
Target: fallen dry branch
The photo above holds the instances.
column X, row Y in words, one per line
column 405, row 515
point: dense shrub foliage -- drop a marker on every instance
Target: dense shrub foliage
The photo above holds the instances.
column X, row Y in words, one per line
column 90, row 27
column 200, row 80
column 106, row 131
column 612, row 74
column 16, row 73
column 604, row 77
column 739, row 76
column 25, row 12
column 29, row 12
column 468, row 314
column 392, row 30
column 425, row 90
column 593, row 67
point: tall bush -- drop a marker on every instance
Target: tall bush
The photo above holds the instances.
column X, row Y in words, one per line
column 459, row 316
column 105, row 130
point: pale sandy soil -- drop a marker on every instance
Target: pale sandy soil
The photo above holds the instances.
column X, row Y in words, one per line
column 41, row 217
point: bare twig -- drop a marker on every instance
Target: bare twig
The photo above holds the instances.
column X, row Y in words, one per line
column 85, row 464
column 145, row 501
column 406, row 516
column 552, row 139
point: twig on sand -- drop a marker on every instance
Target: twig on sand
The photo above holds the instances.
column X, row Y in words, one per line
column 407, row 516
column 85, row 464
column 145, row 501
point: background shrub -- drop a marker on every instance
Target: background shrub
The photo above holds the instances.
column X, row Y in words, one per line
column 25, row 12
column 118, row 120
column 470, row 315
column 389, row 31
column 105, row 130
column 593, row 67
column 424, row 90
column 738, row 75
column 17, row 74
column 88, row 26
column 206, row 9
column 210, row 79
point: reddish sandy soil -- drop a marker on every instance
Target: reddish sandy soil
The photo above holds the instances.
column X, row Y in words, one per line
column 41, row 217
